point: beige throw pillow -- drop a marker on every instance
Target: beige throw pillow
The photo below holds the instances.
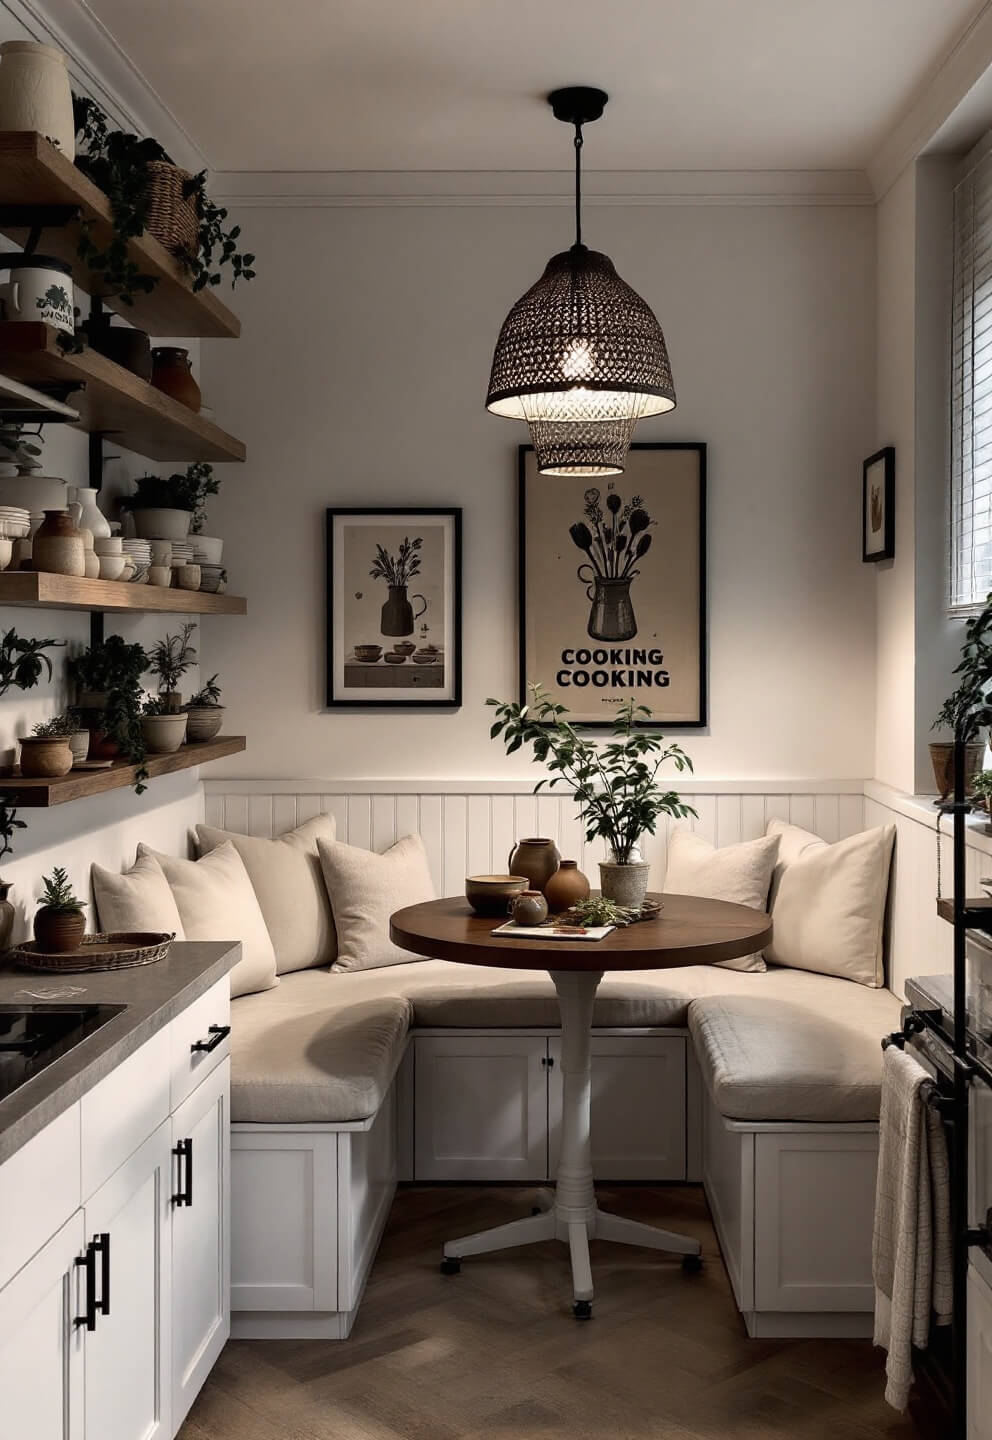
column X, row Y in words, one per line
column 741, row 873
column 140, row 899
column 286, row 877
column 365, row 889
column 216, row 902
column 828, row 902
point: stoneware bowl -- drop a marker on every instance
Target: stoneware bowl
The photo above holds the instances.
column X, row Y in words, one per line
column 188, row 577
column 367, row 653
column 404, row 647
column 111, row 567
column 393, row 657
column 491, row 894
column 422, row 658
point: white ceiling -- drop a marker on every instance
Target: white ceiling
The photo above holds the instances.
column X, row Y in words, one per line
column 458, row 84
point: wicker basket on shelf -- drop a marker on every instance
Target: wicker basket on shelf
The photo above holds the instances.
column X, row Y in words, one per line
column 172, row 217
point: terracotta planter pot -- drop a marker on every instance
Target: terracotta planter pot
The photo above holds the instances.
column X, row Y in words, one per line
column 59, row 931
column 942, row 760
column 566, row 887
column 624, row 884
column 163, row 734
column 536, row 858
column 203, row 722
column 45, row 758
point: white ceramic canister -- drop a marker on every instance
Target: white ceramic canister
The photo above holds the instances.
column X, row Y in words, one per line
column 39, row 288
column 90, row 515
column 35, row 93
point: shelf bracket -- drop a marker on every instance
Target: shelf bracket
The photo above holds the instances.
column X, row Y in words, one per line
column 34, row 219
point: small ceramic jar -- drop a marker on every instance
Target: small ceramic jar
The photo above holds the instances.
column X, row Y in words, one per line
column 39, row 288
column 36, row 94
column 529, row 908
column 58, row 545
column 171, row 373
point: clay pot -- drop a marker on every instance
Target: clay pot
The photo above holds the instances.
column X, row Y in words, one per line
column 7, row 915
column 625, row 885
column 203, row 722
column 58, row 547
column 491, row 894
column 172, row 375
column 57, row 932
column 128, row 348
column 79, row 745
column 45, row 757
column 528, row 908
column 163, row 734
column 35, row 93
column 161, row 523
column 942, row 760
column 566, row 887
column 536, row 858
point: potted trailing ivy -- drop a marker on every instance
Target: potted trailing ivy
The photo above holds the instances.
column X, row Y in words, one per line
column 8, row 824
column 169, row 507
column 614, row 784
column 59, row 924
column 205, row 713
column 169, row 661
column 108, row 677
column 149, row 192
column 967, row 711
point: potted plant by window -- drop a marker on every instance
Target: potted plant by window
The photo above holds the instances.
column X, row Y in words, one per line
column 205, row 713
column 967, row 712
column 614, row 784
column 8, row 824
column 163, row 728
column 168, row 507
column 108, row 676
column 169, row 661
column 59, row 924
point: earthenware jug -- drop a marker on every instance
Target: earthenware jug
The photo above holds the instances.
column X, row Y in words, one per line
column 35, row 93
column 528, row 908
column 171, row 374
column 58, row 547
column 398, row 614
column 566, row 887
column 537, row 858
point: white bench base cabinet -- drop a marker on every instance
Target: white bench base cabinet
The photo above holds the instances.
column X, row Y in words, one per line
column 793, row 1208
column 309, row 1204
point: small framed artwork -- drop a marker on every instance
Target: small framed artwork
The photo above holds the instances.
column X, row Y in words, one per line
column 878, row 500
column 613, row 586
column 394, row 607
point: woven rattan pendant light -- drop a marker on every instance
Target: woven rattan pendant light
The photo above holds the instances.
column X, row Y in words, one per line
column 581, row 357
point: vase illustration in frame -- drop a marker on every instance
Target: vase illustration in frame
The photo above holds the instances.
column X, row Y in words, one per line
column 394, row 607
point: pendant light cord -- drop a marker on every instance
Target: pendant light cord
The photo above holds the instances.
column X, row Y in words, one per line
column 578, row 182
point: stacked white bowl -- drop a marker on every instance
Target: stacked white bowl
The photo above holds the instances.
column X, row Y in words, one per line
column 15, row 522
column 110, row 552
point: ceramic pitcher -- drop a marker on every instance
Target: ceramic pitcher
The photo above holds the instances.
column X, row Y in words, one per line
column 398, row 614
column 90, row 517
column 537, row 858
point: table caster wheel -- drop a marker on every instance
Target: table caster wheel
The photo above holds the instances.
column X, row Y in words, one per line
column 582, row 1309
column 692, row 1264
column 450, row 1265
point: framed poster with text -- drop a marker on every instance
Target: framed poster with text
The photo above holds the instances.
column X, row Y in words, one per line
column 613, row 586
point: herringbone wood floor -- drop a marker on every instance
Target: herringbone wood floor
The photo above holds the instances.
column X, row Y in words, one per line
column 494, row 1354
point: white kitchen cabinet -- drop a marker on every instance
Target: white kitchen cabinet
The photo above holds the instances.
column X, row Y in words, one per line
column 41, row 1346
column 638, row 1106
column 201, row 1246
column 979, row 1357
column 128, row 1392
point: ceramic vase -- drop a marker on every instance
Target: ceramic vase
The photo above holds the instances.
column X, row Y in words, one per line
column 537, row 858
column 172, row 375
column 90, row 517
column 58, row 547
column 7, row 914
column 398, row 614
column 45, row 758
column 35, row 93
column 625, row 885
column 58, row 932
column 528, row 908
column 566, row 887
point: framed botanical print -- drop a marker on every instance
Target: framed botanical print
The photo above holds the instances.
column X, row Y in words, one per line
column 878, row 500
column 394, row 607
column 613, row 586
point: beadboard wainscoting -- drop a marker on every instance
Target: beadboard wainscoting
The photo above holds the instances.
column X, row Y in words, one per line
column 470, row 827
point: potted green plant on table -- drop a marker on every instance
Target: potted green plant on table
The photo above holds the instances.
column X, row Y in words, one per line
column 205, row 713
column 8, row 824
column 967, row 711
column 615, row 784
column 170, row 507
column 108, row 676
column 169, row 661
column 59, row 924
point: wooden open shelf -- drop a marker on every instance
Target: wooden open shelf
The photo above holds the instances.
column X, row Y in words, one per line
column 114, row 401
column 78, row 784
column 33, row 172
column 66, row 592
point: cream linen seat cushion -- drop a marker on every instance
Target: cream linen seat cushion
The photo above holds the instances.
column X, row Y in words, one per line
column 739, row 873
column 814, row 1056
column 286, row 877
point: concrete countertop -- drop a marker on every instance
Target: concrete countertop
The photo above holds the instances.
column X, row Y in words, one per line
column 153, row 995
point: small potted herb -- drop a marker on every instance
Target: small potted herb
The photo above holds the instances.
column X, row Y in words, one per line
column 59, row 924
column 108, row 676
column 205, row 713
column 8, row 824
column 163, row 728
column 69, row 725
column 169, row 661
column 169, row 507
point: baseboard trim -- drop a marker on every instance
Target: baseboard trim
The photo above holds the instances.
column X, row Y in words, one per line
column 800, row 1325
column 292, row 1324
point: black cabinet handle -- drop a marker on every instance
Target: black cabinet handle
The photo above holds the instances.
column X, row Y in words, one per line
column 183, row 1152
column 218, row 1034
column 89, row 1262
column 101, row 1246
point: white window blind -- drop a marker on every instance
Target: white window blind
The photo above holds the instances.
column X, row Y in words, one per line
column 970, row 567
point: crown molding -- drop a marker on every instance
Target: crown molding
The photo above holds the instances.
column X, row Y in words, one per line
column 311, row 189
column 958, row 74
column 100, row 68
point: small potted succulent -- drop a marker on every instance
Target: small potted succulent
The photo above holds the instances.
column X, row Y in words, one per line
column 59, row 924
column 70, row 725
column 163, row 728
column 8, row 824
column 169, row 507
column 205, row 713
column 169, row 661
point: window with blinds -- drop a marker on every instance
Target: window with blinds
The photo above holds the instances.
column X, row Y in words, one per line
column 970, row 566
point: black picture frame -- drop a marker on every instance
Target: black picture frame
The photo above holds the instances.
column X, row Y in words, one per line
column 453, row 644
column 886, row 459
column 701, row 720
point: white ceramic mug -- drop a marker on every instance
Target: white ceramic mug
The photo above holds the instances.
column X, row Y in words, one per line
column 39, row 288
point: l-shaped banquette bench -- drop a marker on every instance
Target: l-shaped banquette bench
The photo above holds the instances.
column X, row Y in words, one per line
column 764, row 1086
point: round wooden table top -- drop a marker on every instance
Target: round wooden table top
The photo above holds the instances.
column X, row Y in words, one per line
column 689, row 931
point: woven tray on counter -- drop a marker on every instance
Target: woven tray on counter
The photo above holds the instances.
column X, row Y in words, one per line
column 114, row 950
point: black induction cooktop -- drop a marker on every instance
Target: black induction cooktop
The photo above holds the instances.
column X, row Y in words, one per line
column 34, row 1036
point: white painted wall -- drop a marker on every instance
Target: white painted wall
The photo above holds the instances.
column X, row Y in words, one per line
column 360, row 379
